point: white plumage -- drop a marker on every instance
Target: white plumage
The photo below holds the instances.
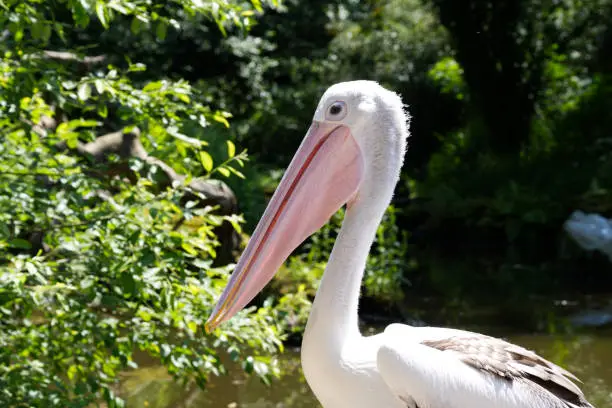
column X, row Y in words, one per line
column 591, row 231
column 403, row 367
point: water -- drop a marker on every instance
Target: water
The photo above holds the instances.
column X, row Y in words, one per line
column 588, row 356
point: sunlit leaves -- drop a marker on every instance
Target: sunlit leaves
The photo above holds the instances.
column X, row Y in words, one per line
column 69, row 131
column 206, row 160
column 228, row 167
column 94, row 266
column 231, row 149
column 166, row 110
column 102, row 13
column 84, row 91
column 153, row 86
column 24, row 17
column 448, row 75
column 221, row 117
column 137, row 271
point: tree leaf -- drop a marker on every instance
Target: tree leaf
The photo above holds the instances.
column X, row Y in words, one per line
column 206, row 160
column 161, row 30
column 102, row 13
column 103, row 110
column 72, row 370
column 236, row 172
column 257, row 5
column 77, row 123
column 80, row 13
column 20, row 243
column 183, row 97
column 221, row 119
column 152, row 86
column 231, row 149
column 100, row 86
column 136, row 25
column 189, row 249
column 84, row 91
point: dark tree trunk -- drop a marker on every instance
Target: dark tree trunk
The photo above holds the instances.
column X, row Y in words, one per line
column 495, row 44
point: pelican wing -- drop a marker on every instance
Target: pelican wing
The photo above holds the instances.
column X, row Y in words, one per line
column 431, row 367
column 511, row 362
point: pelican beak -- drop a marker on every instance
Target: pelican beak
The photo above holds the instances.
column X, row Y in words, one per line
column 324, row 174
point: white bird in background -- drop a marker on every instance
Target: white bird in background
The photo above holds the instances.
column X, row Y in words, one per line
column 591, row 231
column 352, row 155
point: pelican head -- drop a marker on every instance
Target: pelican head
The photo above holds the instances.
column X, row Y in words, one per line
column 353, row 151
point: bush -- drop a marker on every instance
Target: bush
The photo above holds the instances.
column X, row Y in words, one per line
column 106, row 250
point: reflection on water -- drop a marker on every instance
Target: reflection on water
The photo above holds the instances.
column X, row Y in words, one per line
column 587, row 356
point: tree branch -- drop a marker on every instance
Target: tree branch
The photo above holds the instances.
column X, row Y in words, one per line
column 66, row 56
column 205, row 192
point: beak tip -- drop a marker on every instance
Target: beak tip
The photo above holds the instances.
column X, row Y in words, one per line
column 213, row 322
column 209, row 326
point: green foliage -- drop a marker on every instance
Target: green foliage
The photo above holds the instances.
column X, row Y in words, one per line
column 95, row 268
column 500, row 100
column 30, row 19
column 387, row 264
column 99, row 260
column 119, row 277
column 447, row 74
column 394, row 42
column 519, row 198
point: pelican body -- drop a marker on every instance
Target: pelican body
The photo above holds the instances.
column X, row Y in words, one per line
column 352, row 155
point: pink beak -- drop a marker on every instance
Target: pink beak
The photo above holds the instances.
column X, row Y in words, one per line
column 324, row 174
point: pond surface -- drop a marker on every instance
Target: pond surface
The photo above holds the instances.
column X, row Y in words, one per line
column 588, row 356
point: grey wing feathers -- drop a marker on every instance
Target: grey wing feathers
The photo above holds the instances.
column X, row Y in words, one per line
column 514, row 363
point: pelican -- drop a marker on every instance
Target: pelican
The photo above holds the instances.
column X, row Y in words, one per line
column 352, row 155
column 590, row 231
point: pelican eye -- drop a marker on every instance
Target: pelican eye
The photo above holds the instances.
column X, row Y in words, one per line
column 336, row 111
